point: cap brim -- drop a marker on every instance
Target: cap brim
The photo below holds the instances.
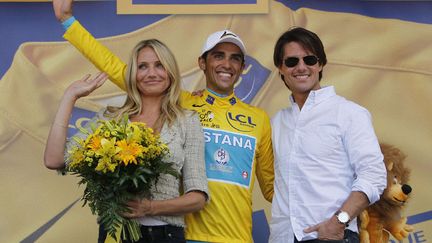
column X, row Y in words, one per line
column 235, row 41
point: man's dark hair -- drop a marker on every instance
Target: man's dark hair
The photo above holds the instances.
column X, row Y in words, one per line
column 307, row 39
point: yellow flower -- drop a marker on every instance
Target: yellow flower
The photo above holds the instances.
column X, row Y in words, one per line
column 128, row 152
column 106, row 164
column 134, row 133
column 107, row 148
column 95, row 143
column 77, row 156
column 89, row 153
column 115, row 155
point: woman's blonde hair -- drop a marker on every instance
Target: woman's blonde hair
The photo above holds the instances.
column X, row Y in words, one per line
column 170, row 108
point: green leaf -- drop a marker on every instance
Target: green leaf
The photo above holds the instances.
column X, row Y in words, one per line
column 142, row 178
column 135, row 182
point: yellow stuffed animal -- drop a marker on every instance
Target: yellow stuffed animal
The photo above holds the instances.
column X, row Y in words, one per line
column 384, row 216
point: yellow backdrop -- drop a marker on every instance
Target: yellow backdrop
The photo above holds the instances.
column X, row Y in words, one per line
column 384, row 65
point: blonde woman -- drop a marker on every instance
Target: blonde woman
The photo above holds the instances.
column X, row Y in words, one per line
column 153, row 91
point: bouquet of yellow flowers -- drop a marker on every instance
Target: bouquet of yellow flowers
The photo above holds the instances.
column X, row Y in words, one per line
column 117, row 161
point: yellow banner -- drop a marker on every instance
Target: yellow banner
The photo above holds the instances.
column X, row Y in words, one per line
column 382, row 64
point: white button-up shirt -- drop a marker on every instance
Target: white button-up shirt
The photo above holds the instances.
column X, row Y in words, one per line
column 322, row 153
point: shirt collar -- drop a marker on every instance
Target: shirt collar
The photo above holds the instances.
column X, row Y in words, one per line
column 317, row 96
column 210, row 98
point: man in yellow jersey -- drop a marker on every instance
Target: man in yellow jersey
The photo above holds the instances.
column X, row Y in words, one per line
column 237, row 135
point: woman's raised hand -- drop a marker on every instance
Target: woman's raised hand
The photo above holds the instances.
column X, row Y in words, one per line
column 85, row 86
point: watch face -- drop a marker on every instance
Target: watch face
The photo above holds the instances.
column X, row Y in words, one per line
column 343, row 217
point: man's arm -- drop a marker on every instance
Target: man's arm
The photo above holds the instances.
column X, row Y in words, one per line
column 265, row 161
column 92, row 49
column 332, row 229
column 364, row 153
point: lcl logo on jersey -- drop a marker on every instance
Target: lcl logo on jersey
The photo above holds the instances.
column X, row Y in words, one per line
column 240, row 122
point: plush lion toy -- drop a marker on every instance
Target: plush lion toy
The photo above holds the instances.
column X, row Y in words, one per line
column 384, row 216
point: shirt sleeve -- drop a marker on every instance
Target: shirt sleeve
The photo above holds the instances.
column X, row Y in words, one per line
column 265, row 161
column 97, row 53
column 365, row 156
column 194, row 172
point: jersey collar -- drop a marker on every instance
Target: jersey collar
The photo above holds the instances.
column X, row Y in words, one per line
column 211, row 99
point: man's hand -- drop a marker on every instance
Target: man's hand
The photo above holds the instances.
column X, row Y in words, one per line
column 62, row 9
column 330, row 229
column 198, row 92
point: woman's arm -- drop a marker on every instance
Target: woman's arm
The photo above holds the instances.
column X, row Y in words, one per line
column 56, row 142
column 188, row 203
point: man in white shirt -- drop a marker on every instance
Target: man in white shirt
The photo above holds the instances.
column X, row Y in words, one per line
column 328, row 163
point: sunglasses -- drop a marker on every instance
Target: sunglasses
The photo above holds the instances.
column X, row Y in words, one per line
column 308, row 60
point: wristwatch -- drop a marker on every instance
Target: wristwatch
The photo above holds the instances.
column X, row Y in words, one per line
column 343, row 217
